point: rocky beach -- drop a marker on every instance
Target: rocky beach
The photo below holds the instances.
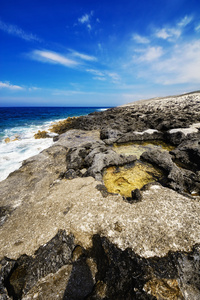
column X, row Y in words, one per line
column 110, row 211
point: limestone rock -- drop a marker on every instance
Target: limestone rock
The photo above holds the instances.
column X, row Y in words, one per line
column 162, row 114
column 106, row 159
column 103, row 271
column 187, row 154
column 177, row 178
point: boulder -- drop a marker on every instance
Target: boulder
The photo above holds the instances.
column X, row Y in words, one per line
column 187, row 154
column 179, row 179
column 106, row 159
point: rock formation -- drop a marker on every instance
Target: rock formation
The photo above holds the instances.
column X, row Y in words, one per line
column 63, row 235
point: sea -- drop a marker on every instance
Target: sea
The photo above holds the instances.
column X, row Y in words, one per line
column 18, row 126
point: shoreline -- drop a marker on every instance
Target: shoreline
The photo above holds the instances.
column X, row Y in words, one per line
column 25, row 145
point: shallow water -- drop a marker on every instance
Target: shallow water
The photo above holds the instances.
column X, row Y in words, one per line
column 137, row 148
column 122, row 180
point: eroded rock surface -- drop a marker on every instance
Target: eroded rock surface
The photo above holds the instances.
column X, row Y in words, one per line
column 161, row 114
column 64, row 236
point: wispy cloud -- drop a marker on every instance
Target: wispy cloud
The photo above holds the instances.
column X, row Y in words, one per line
column 99, row 78
column 140, row 39
column 86, row 20
column 179, row 65
column 168, row 33
column 18, row 32
column 104, row 75
column 197, row 28
column 149, row 54
column 9, row 86
column 84, row 56
column 95, row 72
column 114, row 76
column 33, row 88
column 53, row 58
column 173, row 33
column 185, row 21
column 174, row 63
column 183, row 66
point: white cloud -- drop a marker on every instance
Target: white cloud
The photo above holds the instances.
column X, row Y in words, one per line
column 104, row 75
column 16, row 31
column 179, row 65
column 115, row 77
column 173, row 33
column 99, row 78
column 84, row 19
column 95, row 72
column 185, row 21
column 89, row 27
column 33, row 88
column 140, row 39
column 9, row 86
column 150, row 54
column 163, row 34
column 53, row 57
column 197, row 28
column 168, row 33
column 84, row 56
column 183, row 66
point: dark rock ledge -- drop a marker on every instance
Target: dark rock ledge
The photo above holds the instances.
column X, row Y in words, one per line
column 63, row 236
column 101, row 272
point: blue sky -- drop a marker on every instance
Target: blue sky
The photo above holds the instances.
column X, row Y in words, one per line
column 97, row 53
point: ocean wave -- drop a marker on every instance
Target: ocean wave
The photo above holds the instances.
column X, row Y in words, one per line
column 102, row 109
column 20, row 145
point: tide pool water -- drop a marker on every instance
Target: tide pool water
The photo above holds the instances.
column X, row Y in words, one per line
column 19, row 124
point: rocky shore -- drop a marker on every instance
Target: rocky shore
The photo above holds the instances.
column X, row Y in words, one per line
column 69, row 231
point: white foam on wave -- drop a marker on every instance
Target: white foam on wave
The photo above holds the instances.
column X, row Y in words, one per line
column 13, row 153
column 102, row 109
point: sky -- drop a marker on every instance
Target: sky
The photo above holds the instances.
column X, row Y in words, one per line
column 97, row 53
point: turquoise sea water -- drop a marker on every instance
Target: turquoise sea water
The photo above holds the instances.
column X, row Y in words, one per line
column 19, row 124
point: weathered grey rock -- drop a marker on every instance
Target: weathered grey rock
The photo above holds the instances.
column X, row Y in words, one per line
column 109, row 133
column 21, row 275
column 75, row 158
column 177, row 135
column 106, row 159
column 159, row 158
column 159, row 113
column 38, row 173
column 175, row 138
column 187, row 154
column 33, row 179
column 188, row 266
column 179, row 179
column 146, row 135
column 70, row 174
column 103, row 271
